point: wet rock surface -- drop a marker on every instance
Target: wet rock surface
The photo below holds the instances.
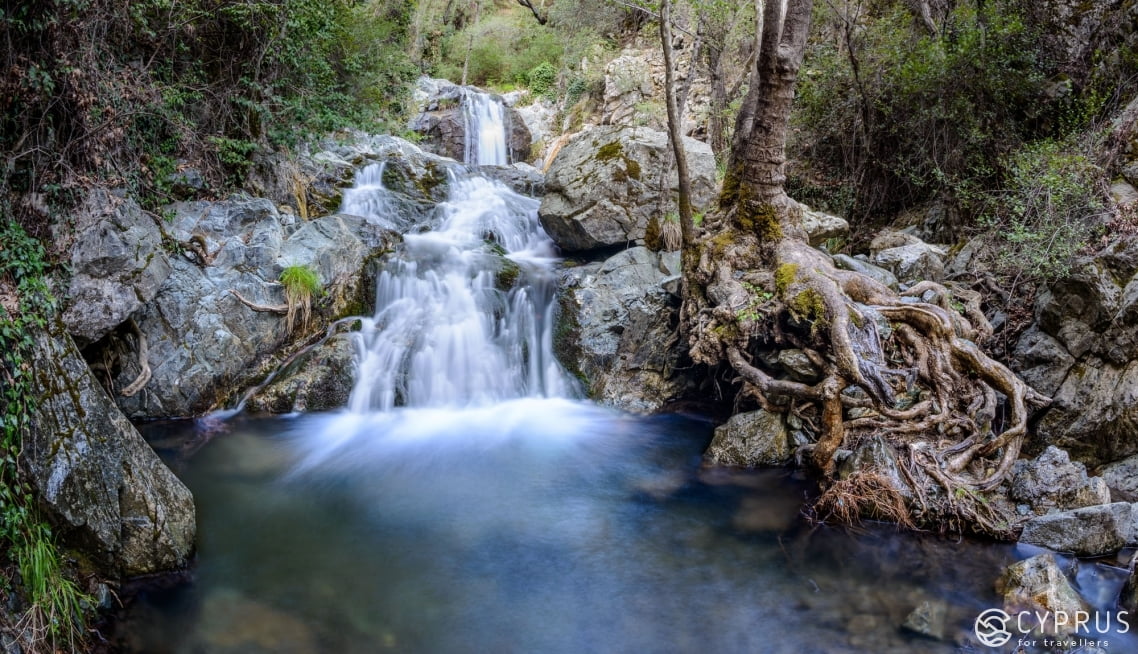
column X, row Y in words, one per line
column 753, row 439
column 616, row 330
column 318, row 380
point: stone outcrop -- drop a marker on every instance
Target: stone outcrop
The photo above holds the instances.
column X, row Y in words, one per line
column 202, row 341
column 98, row 481
column 754, row 439
column 616, row 329
column 1083, row 350
column 117, row 265
column 606, row 183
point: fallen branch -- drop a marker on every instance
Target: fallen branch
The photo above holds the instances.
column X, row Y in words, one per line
column 267, row 308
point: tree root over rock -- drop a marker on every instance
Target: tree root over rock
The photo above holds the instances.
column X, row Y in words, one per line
column 905, row 367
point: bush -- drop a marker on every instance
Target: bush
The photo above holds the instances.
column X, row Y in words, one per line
column 541, row 78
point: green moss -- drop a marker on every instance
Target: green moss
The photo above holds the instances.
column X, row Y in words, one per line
column 761, row 220
column 610, row 151
column 632, row 167
column 784, row 276
column 652, row 239
column 808, row 306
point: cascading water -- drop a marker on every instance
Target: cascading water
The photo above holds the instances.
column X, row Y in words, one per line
column 464, row 311
column 484, row 121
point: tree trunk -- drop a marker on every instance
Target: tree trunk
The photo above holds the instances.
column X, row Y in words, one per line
column 675, row 133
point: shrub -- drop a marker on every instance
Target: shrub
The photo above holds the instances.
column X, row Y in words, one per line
column 541, row 78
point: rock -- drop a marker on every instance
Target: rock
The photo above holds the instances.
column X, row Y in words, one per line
column 798, row 366
column 914, row 262
column 846, row 262
column 1123, row 194
column 615, row 331
column 538, row 117
column 756, row 438
column 117, row 265
column 1041, row 361
column 103, row 488
column 318, row 380
column 442, row 121
column 1128, row 597
column 1094, row 414
column 1121, row 478
column 604, row 185
column 634, row 85
column 820, row 226
column 1038, row 584
column 1052, row 483
column 1078, row 308
column 1090, row 531
column 186, row 183
column 928, row 619
column 203, row 343
column 521, row 178
column 233, row 624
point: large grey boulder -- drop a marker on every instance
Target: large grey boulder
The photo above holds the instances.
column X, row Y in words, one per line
column 1121, row 478
column 846, row 262
column 821, row 226
column 606, row 183
column 203, row 342
column 1090, row 531
column 99, row 482
column 914, row 262
column 1038, row 584
column 1052, row 483
column 615, row 329
column 117, row 264
column 753, row 439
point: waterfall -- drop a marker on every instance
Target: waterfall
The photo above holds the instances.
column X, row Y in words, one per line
column 485, row 120
column 464, row 311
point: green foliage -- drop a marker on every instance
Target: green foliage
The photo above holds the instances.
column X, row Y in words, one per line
column 301, row 283
column 542, row 78
column 922, row 117
column 56, row 613
column 1050, row 208
column 505, row 48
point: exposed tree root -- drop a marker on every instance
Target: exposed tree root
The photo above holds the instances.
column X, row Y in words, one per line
column 905, row 367
column 143, row 355
column 282, row 309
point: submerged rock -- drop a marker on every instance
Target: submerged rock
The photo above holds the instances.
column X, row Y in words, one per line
column 928, row 619
column 117, row 265
column 1052, row 482
column 756, row 438
column 1090, row 531
column 102, row 486
column 1038, row 584
column 615, row 331
column 606, row 183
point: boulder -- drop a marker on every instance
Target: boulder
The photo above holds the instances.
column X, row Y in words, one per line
column 318, row 380
column 101, row 485
column 1041, row 361
column 520, row 177
column 1052, row 483
column 753, row 439
column 846, row 262
column 913, row 262
column 203, row 342
column 1039, row 585
column 117, row 265
column 1121, row 478
column 606, row 183
column 1090, row 531
column 821, row 227
column 615, row 330
column 928, row 619
column 1094, row 414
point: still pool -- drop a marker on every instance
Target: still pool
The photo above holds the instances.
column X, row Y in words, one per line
column 534, row 526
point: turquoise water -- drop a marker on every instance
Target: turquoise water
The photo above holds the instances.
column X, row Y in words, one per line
column 531, row 526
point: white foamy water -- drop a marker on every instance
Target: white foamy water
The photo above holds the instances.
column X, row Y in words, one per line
column 485, row 121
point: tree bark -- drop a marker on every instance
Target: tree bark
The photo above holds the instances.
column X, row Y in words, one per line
column 675, row 133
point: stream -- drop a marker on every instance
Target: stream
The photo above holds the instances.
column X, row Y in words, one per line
column 467, row 501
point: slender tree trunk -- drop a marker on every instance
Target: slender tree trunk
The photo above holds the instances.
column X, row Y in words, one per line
column 675, row 133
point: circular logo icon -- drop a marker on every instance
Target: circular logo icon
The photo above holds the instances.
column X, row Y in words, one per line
column 992, row 627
